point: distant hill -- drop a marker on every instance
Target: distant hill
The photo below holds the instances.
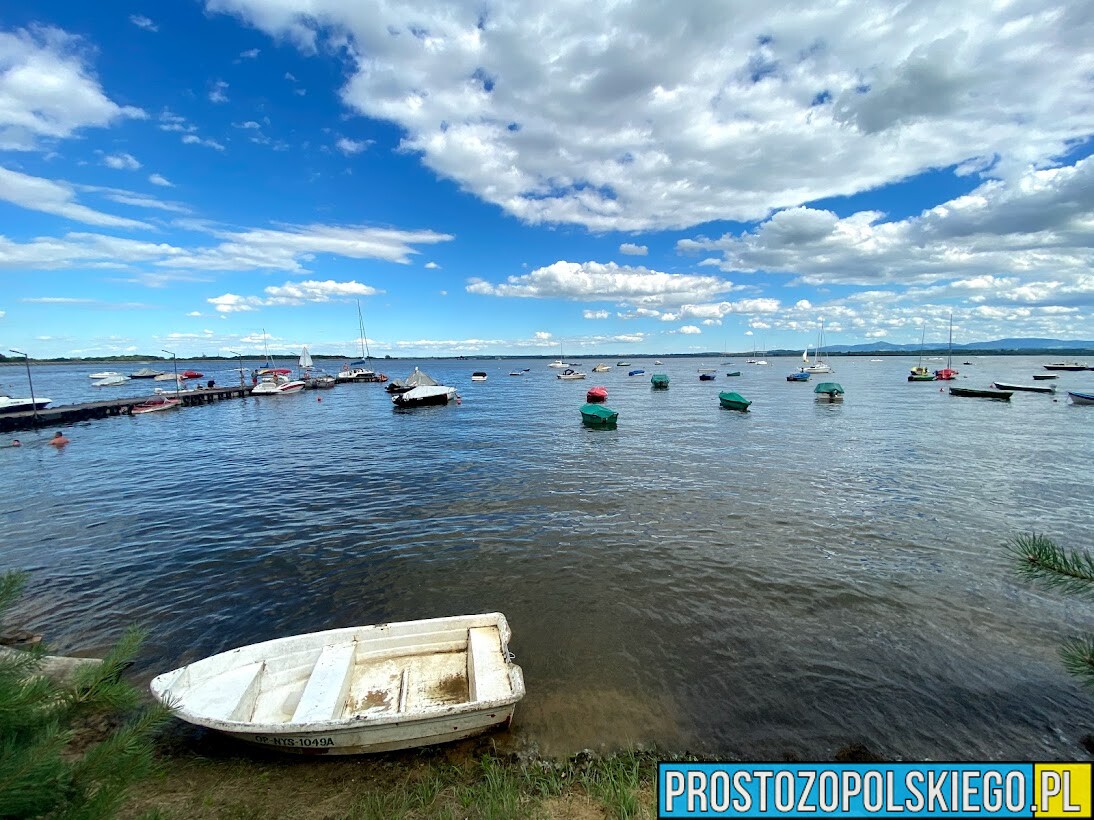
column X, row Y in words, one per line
column 1000, row 344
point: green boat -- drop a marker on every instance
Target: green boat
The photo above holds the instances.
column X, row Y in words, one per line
column 660, row 381
column 734, row 373
column 829, row 391
column 597, row 415
column 733, row 401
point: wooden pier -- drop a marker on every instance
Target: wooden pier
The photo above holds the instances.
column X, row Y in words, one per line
column 73, row 413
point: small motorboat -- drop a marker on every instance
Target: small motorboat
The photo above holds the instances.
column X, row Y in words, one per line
column 355, row 690
column 706, row 377
column 597, row 415
column 734, row 373
column 829, row 391
column 155, row 405
column 192, row 374
column 920, row 374
column 358, row 372
column 10, row 405
column 277, row 383
column 516, row 372
column 622, row 364
column 1028, row 388
column 319, row 381
column 146, row 373
column 111, row 381
column 103, row 374
column 705, row 369
column 569, row 374
column 1001, row 395
column 659, row 381
column 658, row 361
column 601, row 368
column 733, row 401
column 424, row 396
column 167, row 377
column 1081, row 398
column 1040, row 377
column 637, row 372
column 1073, row 366
column 596, row 394
column 478, row 376
column 800, row 376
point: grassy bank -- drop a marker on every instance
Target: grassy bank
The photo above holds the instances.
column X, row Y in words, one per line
column 468, row 780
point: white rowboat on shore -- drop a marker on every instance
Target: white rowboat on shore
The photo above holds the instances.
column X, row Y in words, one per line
column 355, row 690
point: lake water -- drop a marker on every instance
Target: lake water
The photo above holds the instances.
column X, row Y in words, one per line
column 784, row 581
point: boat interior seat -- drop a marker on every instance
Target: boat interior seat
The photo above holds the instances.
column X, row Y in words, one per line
column 324, row 694
column 487, row 674
column 230, row 696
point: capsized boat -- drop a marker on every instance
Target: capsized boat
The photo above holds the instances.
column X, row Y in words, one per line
column 355, row 690
column 1003, row 395
column 155, row 405
column 10, row 405
column 569, row 374
column 424, row 395
column 596, row 394
column 597, row 415
column 146, row 373
column 1027, row 388
column 1080, row 398
column 660, row 381
column 829, row 391
column 733, row 401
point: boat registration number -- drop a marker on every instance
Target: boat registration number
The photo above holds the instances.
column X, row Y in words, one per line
column 296, row 742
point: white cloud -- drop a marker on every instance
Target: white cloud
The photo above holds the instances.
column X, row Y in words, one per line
column 595, row 314
column 634, row 250
column 47, row 89
column 120, row 162
column 216, row 93
column 350, row 147
column 627, row 118
column 140, row 21
column 53, row 197
column 249, row 54
column 249, row 125
column 594, row 281
column 195, row 313
column 432, row 266
column 194, row 139
column 156, row 179
column 689, row 330
column 291, row 294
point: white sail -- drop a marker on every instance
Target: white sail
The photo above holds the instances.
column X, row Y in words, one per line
column 305, row 357
column 805, row 355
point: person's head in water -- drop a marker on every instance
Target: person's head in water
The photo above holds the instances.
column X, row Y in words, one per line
column 16, row 443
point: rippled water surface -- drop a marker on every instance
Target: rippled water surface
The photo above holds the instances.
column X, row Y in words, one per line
column 783, row 581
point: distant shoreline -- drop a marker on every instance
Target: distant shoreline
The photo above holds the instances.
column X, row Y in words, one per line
column 1053, row 353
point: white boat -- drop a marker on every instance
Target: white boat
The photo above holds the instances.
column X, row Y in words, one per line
column 570, row 375
column 658, row 361
column 478, row 376
column 601, row 368
column 277, row 383
column 360, row 371
column 820, row 364
column 702, row 369
column 1027, row 388
column 355, row 690
column 105, row 374
column 10, row 405
column 622, row 364
column 168, row 377
column 1081, row 398
column 111, row 381
column 424, row 395
column 155, row 405
column 146, row 373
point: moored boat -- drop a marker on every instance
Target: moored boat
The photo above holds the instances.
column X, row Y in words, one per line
column 569, row 375
column 1073, row 366
column 1028, row 388
column 734, row 373
column 10, row 405
column 355, row 690
column 111, row 381
column 424, row 396
column 155, row 405
column 1002, row 395
column 596, row 394
column 1040, row 377
column 637, row 372
column 920, row 374
column 601, row 368
column 597, row 415
column 622, row 364
column 416, row 379
column 146, row 373
column 104, row 374
column 1080, row 398
column 947, row 373
column 800, row 376
column 192, row 374
column 829, row 391
column 733, row 401
column 276, row 382
column 706, row 377
column 660, row 381
column 478, row 376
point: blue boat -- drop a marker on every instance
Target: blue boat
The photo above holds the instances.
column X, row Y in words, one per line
column 636, row 372
column 798, row 377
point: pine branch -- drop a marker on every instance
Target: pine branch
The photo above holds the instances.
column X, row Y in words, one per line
column 11, row 587
column 1078, row 657
column 1041, row 560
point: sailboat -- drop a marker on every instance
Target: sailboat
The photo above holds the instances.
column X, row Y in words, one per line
column 820, row 365
column 919, row 372
column 948, row 373
column 317, row 380
column 361, row 370
column 559, row 362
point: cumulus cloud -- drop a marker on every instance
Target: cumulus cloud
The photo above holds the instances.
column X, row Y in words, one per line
column 120, row 162
column 55, row 197
column 350, row 147
column 194, row 139
column 48, row 90
column 217, row 92
column 689, row 330
column 595, row 314
column 628, row 117
column 633, row 250
column 432, row 266
column 140, row 21
column 157, row 179
column 292, row 293
column 595, row 281
column 249, row 54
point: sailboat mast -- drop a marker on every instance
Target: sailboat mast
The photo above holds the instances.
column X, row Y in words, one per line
column 265, row 347
column 949, row 353
column 361, row 326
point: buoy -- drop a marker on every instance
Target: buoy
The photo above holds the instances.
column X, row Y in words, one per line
column 319, row 398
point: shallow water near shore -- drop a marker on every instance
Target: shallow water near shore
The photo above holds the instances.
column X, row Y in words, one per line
column 787, row 580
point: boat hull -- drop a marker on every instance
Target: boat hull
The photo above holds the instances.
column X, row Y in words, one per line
column 733, row 401
column 1025, row 388
column 23, row 405
column 1081, row 398
column 1000, row 395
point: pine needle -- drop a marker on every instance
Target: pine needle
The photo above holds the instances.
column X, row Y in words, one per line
column 1042, row 560
column 1078, row 657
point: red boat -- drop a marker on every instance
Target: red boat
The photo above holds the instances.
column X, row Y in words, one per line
column 596, row 394
column 945, row 374
column 191, row 374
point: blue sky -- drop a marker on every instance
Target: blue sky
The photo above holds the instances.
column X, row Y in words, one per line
column 492, row 179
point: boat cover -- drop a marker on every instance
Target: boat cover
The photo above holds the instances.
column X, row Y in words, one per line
column 599, row 411
column 831, row 388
